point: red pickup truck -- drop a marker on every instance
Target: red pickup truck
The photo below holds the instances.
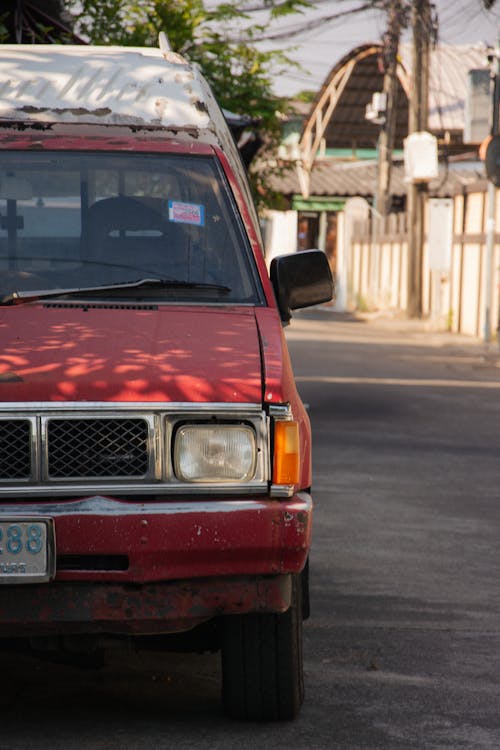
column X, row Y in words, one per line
column 155, row 457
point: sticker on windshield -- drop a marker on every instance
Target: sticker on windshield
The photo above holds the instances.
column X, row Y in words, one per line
column 186, row 213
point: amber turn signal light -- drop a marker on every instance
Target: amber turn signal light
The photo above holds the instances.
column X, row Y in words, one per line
column 286, row 453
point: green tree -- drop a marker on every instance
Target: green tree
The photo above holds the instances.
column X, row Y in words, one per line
column 35, row 22
column 221, row 39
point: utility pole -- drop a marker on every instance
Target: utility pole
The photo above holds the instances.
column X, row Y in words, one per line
column 386, row 139
column 491, row 219
column 418, row 119
column 492, row 190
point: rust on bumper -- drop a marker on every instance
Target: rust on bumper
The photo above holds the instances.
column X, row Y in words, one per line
column 65, row 608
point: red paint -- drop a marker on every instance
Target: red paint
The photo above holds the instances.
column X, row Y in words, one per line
column 280, row 383
column 86, row 139
column 170, row 354
column 251, row 226
column 189, row 558
column 193, row 539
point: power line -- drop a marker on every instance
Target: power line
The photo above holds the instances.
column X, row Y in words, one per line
column 296, row 30
column 270, row 6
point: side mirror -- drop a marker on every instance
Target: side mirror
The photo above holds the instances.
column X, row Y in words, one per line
column 301, row 279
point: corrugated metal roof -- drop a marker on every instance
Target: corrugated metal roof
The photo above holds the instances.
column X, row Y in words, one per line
column 105, row 85
column 345, row 179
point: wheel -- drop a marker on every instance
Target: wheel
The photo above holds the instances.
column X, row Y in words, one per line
column 306, row 599
column 262, row 673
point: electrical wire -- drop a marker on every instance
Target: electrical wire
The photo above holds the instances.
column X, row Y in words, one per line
column 454, row 19
column 298, row 29
column 273, row 5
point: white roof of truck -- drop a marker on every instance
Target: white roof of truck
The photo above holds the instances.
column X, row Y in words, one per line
column 108, row 86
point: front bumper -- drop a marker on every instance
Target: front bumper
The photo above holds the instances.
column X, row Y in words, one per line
column 125, row 566
column 174, row 540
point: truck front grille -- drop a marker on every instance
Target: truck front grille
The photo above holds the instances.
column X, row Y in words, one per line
column 87, row 448
column 15, row 449
column 74, row 449
column 79, row 449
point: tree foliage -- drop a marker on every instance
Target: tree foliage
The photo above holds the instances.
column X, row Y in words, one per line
column 238, row 72
column 35, row 22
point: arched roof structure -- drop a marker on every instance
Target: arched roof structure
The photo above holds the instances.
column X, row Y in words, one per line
column 337, row 115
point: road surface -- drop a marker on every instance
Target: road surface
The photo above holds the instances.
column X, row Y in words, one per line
column 403, row 646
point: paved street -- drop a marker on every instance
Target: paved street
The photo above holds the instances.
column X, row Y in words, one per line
column 403, row 646
column 406, row 557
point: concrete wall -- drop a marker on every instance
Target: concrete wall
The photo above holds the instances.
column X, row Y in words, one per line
column 279, row 233
column 455, row 296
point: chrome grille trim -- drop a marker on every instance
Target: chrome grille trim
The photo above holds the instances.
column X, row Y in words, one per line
column 22, row 408
column 150, row 473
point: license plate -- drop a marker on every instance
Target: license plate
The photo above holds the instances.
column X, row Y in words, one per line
column 27, row 550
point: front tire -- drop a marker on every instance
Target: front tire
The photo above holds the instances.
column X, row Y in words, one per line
column 262, row 670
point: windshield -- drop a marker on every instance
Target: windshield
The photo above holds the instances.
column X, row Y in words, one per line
column 85, row 220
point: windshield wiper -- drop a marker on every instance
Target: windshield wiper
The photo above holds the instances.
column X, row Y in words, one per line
column 16, row 298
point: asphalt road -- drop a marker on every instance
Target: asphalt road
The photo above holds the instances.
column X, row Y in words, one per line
column 403, row 646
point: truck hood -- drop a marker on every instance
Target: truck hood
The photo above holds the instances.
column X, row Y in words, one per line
column 52, row 352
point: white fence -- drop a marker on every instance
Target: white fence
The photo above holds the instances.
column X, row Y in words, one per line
column 454, row 287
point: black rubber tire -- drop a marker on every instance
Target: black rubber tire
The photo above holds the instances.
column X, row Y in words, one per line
column 262, row 671
column 306, row 599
